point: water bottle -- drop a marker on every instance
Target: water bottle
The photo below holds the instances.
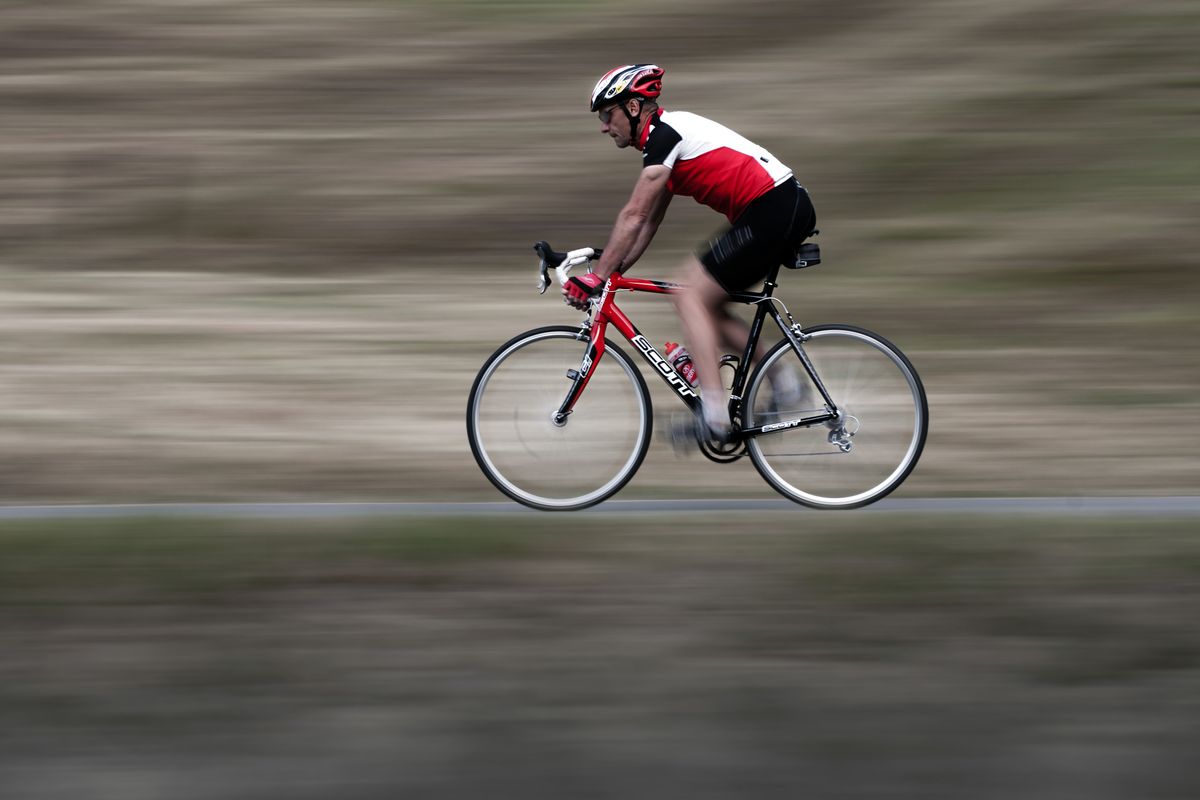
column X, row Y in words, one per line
column 681, row 360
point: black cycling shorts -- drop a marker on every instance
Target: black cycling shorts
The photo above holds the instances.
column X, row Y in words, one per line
column 765, row 235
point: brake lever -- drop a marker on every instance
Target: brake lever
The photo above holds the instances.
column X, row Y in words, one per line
column 569, row 260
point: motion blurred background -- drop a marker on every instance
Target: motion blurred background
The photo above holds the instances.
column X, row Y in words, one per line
column 257, row 249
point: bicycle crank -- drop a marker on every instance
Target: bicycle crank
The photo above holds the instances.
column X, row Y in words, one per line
column 723, row 453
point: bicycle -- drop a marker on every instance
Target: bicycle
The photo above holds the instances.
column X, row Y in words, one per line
column 559, row 418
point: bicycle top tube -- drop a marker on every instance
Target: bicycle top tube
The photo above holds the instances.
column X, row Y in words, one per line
column 562, row 263
column 618, row 282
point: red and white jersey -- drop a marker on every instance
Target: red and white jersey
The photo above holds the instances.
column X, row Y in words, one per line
column 720, row 168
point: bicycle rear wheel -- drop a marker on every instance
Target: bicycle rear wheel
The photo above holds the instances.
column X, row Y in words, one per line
column 869, row 450
column 533, row 460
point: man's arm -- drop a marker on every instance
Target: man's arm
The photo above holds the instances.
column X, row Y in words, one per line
column 648, row 230
column 638, row 221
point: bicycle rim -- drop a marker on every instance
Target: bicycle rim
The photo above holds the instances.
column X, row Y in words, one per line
column 885, row 409
column 536, row 462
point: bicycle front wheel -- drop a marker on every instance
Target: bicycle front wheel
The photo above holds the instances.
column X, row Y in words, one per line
column 873, row 445
column 544, row 464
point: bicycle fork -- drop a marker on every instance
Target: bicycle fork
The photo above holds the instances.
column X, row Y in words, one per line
column 594, row 330
column 594, row 336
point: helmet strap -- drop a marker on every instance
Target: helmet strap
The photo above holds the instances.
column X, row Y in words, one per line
column 633, row 123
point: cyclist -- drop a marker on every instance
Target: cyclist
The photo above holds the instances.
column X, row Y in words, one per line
column 769, row 212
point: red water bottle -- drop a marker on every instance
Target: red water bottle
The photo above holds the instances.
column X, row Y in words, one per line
column 681, row 359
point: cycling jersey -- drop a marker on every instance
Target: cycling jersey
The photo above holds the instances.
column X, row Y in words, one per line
column 716, row 166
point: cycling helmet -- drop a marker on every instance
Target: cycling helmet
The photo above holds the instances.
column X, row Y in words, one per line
column 641, row 80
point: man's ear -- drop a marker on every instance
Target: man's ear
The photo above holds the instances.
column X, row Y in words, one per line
column 633, row 106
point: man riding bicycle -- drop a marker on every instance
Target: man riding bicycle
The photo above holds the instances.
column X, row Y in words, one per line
column 770, row 214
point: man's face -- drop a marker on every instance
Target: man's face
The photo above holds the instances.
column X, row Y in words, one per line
column 614, row 123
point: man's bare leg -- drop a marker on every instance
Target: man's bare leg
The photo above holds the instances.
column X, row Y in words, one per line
column 788, row 389
column 701, row 308
column 734, row 333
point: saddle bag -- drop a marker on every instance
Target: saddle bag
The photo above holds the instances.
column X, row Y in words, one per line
column 808, row 255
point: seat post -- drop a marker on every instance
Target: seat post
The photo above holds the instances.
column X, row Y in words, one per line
column 771, row 282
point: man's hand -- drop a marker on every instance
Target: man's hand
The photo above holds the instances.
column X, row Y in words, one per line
column 577, row 291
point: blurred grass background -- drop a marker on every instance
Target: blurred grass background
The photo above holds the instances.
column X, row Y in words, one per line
column 852, row 655
column 259, row 248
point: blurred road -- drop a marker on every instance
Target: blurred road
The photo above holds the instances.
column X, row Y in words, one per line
column 1082, row 506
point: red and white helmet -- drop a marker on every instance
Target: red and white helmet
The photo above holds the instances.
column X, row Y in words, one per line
column 642, row 80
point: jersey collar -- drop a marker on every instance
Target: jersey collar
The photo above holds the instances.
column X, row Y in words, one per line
column 641, row 142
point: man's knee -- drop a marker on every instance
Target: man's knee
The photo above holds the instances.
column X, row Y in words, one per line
column 688, row 276
column 725, row 317
column 703, row 289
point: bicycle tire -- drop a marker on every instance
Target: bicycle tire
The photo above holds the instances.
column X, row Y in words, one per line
column 547, row 466
column 863, row 373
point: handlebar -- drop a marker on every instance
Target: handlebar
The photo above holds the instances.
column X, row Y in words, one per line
column 562, row 262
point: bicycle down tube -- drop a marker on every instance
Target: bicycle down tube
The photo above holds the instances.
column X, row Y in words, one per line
column 609, row 312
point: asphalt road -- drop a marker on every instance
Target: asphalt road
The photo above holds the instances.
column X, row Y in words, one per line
column 1071, row 506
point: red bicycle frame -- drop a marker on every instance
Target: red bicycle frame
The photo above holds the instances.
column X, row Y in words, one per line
column 607, row 312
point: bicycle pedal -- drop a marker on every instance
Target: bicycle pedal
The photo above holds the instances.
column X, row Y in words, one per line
column 681, row 433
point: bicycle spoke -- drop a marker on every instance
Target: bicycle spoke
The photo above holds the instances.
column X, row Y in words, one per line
column 519, row 446
column 883, row 423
